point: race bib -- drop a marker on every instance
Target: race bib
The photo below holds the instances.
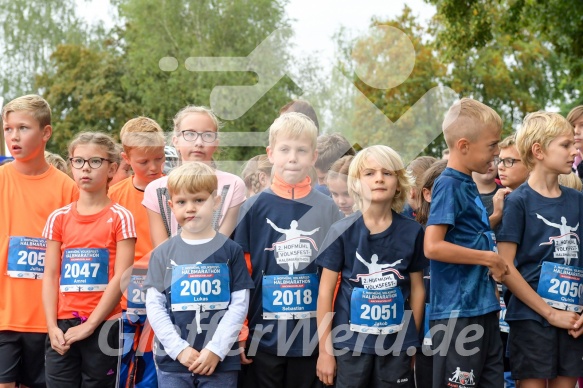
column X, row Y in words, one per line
column 85, row 270
column 561, row 286
column 427, row 341
column 136, row 296
column 376, row 311
column 491, row 241
column 290, row 296
column 504, row 327
column 26, row 257
column 200, row 287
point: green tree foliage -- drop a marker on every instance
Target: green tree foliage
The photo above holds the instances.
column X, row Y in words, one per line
column 30, row 30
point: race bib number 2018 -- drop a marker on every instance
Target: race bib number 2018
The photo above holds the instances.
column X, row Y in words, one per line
column 290, row 296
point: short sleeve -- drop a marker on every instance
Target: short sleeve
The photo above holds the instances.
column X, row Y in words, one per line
column 443, row 203
column 150, row 200
column 156, row 272
column 124, row 223
column 239, row 192
column 418, row 262
column 241, row 233
column 54, row 227
column 332, row 257
column 513, row 220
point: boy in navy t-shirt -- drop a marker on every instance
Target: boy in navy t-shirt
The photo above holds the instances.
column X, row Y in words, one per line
column 282, row 230
column 461, row 247
column 544, row 258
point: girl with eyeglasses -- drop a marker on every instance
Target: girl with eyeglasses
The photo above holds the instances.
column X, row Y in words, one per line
column 90, row 245
column 195, row 138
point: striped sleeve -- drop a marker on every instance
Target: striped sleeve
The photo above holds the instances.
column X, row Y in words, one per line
column 125, row 227
column 53, row 228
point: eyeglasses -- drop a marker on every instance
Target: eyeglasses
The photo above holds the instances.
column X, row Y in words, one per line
column 207, row 137
column 78, row 163
column 507, row 162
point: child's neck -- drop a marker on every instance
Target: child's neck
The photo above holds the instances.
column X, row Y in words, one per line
column 32, row 167
column 485, row 187
column 140, row 183
column 92, row 202
column 378, row 217
column 206, row 234
column 544, row 182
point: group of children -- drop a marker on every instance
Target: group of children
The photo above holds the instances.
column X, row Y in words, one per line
column 320, row 266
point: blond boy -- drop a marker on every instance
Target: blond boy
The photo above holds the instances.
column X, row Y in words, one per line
column 143, row 149
column 30, row 189
column 540, row 241
column 460, row 244
column 281, row 231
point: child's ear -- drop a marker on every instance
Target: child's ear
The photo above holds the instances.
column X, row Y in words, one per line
column 269, row 152
column 315, row 157
column 170, row 204
column 113, row 166
column 125, row 157
column 537, row 151
column 463, row 145
column 426, row 194
column 47, row 133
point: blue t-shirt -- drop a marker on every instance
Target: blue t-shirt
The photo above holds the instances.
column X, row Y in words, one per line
column 176, row 252
column 553, row 235
column 282, row 236
column 389, row 256
column 461, row 289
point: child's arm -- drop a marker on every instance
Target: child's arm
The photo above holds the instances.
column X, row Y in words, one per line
column 225, row 336
column 124, row 259
column 174, row 345
column 158, row 232
column 326, row 366
column 436, row 248
column 523, row 291
column 50, row 295
column 417, row 298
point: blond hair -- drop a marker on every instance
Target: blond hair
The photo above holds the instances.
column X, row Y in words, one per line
column 571, row 180
column 143, row 133
column 575, row 114
column 389, row 160
column 340, row 168
column 418, row 166
column 542, row 128
column 56, row 161
column 466, row 119
column 507, row 142
column 294, row 125
column 192, row 178
column 33, row 104
column 187, row 110
column 255, row 166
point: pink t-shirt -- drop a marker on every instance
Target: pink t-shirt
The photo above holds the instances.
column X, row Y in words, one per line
column 233, row 196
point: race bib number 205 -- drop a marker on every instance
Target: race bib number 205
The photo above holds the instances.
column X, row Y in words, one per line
column 26, row 257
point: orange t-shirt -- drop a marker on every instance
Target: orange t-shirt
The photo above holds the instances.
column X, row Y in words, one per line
column 126, row 194
column 26, row 202
column 88, row 248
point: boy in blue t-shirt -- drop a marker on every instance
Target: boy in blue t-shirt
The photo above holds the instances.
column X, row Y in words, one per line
column 464, row 263
column 197, row 289
column 546, row 269
column 282, row 229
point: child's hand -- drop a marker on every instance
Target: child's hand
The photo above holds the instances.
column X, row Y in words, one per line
column 205, row 364
column 326, row 368
column 244, row 359
column 563, row 319
column 78, row 333
column 497, row 266
column 188, row 356
column 58, row 342
column 578, row 330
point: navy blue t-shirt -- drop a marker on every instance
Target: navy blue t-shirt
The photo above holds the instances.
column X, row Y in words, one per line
column 553, row 235
column 175, row 252
column 461, row 289
column 266, row 221
column 393, row 254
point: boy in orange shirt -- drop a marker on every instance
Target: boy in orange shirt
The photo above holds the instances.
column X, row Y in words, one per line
column 143, row 143
column 27, row 129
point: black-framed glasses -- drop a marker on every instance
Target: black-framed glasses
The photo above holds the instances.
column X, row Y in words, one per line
column 96, row 162
column 507, row 162
column 207, row 137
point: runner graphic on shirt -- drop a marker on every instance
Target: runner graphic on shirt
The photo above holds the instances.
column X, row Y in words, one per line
column 295, row 248
column 565, row 246
column 380, row 276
